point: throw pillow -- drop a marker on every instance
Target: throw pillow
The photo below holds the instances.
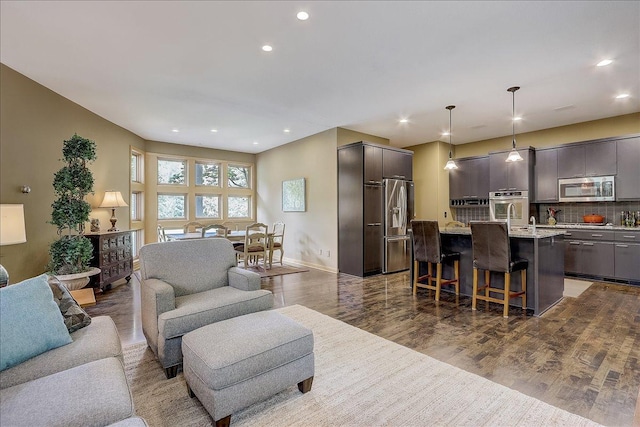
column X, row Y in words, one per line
column 74, row 316
column 30, row 322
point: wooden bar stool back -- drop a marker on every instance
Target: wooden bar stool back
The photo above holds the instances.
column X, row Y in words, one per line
column 492, row 252
column 427, row 247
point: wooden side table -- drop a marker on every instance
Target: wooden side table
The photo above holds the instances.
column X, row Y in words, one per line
column 113, row 255
column 84, row 297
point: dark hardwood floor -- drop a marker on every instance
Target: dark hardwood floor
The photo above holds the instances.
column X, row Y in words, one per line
column 583, row 355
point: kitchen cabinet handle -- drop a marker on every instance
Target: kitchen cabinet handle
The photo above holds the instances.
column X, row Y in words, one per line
column 596, row 235
column 513, row 188
column 587, row 244
column 568, row 233
column 502, row 189
column 373, row 183
column 629, row 237
column 622, row 246
column 399, row 176
column 550, row 198
column 574, row 243
column 374, row 224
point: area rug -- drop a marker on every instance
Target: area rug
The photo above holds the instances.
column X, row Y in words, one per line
column 574, row 287
column 360, row 380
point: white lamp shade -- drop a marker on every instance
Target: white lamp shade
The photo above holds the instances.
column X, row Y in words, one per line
column 12, row 230
column 514, row 156
column 112, row 199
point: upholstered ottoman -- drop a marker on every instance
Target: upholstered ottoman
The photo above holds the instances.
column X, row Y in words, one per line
column 235, row 363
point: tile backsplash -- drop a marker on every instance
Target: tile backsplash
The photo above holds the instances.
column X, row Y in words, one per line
column 573, row 212
column 569, row 212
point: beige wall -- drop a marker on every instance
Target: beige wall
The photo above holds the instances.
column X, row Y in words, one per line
column 34, row 123
column 431, row 181
column 596, row 129
column 315, row 159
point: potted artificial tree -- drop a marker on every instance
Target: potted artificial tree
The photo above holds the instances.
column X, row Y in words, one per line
column 72, row 252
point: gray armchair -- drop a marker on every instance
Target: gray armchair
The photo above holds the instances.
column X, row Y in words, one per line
column 189, row 284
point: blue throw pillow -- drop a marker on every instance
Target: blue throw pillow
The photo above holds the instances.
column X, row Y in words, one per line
column 30, row 322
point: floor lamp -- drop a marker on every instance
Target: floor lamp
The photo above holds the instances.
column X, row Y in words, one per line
column 12, row 232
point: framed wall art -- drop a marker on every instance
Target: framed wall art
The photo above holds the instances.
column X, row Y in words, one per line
column 293, row 195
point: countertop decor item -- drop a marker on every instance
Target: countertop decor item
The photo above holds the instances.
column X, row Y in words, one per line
column 113, row 200
column 12, row 232
column 593, row 219
column 513, row 156
column 71, row 253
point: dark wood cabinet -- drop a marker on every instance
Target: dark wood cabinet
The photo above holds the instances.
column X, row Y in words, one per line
column 546, row 175
column 361, row 169
column 470, row 180
column 628, row 178
column 587, row 159
column 511, row 176
column 112, row 254
column 397, row 164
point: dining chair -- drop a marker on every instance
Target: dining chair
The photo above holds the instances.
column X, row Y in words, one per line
column 192, row 227
column 276, row 242
column 221, row 230
column 492, row 252
column 427, row 247
column 162, row 237
column 255, row 245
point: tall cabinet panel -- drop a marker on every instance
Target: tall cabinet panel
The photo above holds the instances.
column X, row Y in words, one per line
column 361, row 168
column 546, row 175
column 628, row 178
column 508, row 176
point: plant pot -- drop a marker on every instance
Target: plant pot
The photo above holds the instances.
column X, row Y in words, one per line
column 76, row 281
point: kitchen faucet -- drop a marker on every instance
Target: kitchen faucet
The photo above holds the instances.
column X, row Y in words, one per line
column 509, row 206
column 533, row 220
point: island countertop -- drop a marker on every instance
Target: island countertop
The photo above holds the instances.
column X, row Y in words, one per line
column 522, row 233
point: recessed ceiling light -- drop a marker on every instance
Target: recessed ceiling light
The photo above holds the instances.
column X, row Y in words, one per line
column 255, row 142
column 622, row 96
column 214, row 130
column 404, row 120
column 445, row 134
column 604, row 62
column 517, row 119
column 175, row 130
column 267, row 48
column 303, row 16
column 286, row 131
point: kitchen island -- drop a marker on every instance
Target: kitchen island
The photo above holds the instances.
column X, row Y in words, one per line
column 545, row 274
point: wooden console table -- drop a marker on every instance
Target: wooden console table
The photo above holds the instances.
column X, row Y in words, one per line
column 113, row 255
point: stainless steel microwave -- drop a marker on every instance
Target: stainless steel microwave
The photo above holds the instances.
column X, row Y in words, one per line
column 589, row 189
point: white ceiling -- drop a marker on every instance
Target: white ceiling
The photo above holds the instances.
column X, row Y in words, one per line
column 152, row 66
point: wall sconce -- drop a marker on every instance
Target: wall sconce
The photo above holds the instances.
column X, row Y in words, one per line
column 113, row 200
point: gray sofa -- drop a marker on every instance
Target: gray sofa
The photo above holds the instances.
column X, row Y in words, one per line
column 79, row 384
column 188, row 284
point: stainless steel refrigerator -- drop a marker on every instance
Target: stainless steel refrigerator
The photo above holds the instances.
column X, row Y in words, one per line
column 398, row 204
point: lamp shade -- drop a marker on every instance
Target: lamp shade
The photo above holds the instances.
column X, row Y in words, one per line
column 112, row 199
column 12, row 230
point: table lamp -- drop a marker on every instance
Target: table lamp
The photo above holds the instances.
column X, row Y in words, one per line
column 12, row 232
column 113, row 200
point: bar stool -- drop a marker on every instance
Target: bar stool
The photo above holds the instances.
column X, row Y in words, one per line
column 492, row 252
column 427, row 247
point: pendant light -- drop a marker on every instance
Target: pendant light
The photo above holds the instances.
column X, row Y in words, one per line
column 514, row 156
column 450, row 163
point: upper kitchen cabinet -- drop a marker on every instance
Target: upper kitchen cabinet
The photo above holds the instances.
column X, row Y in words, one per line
column 397, row 163
column 590, row 159
column 628, row 178
column 511, row 176
column 372, row 164
column 470, row 180
column 546, row 175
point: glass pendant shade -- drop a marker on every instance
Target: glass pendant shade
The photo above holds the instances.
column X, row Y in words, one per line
column 451, row 164
column 513, row 156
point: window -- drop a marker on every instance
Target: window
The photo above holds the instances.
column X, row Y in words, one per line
column 136, row 205
column 238, row 176
column 207, row 206
column 239, row 207
column 208, row 174
column 172, row 206
column 137, row 241
column 137, row 162
column 171, row 172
